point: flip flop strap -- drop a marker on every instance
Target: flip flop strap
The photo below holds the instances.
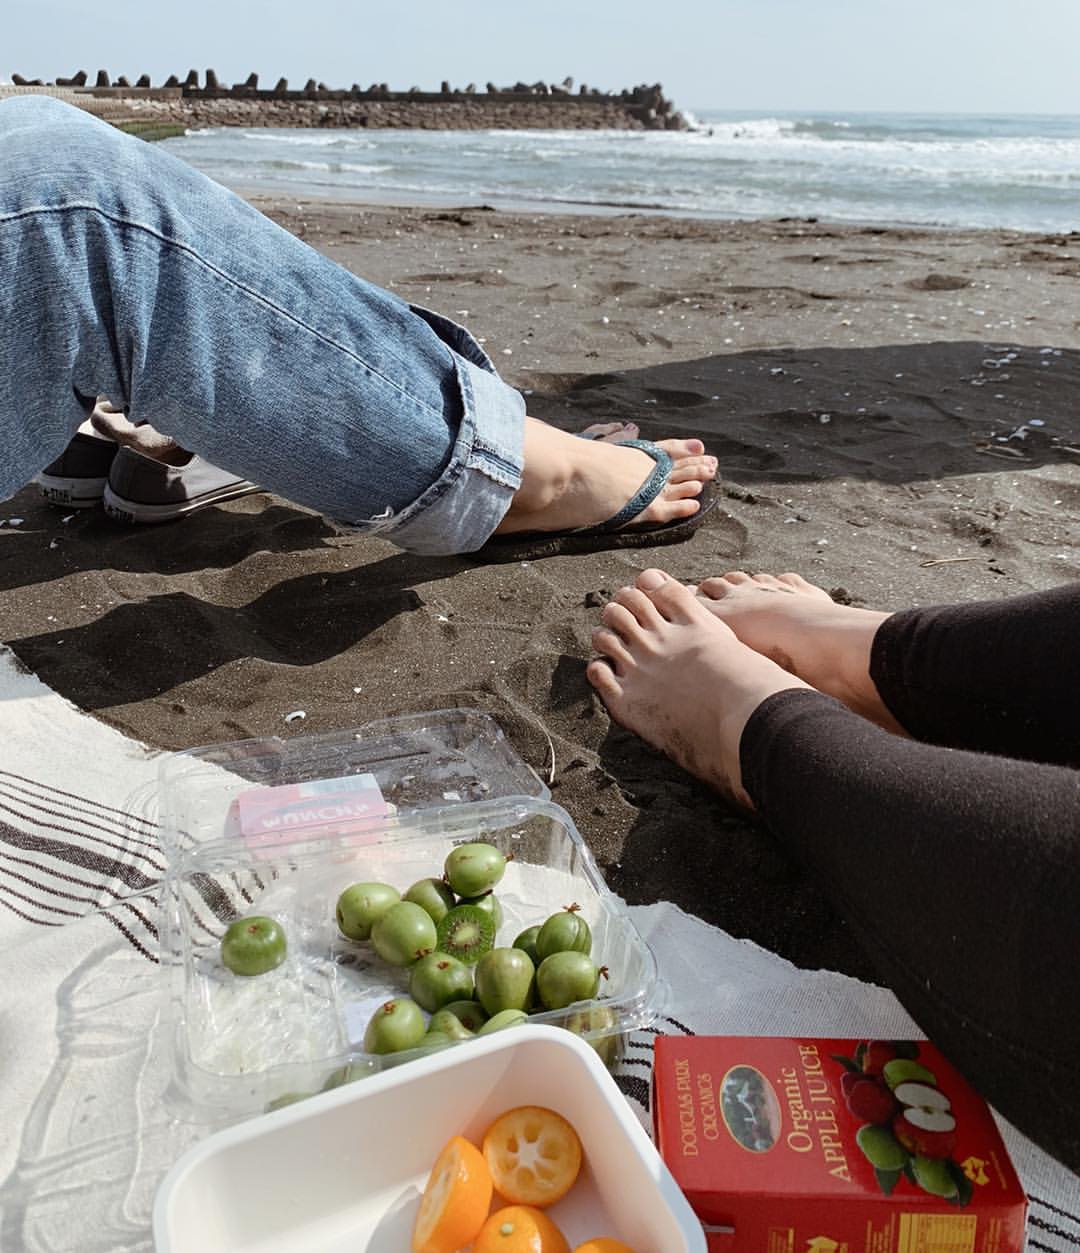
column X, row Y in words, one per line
column 647, row 492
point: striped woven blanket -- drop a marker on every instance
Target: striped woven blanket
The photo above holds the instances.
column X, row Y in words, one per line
column 90, row 1126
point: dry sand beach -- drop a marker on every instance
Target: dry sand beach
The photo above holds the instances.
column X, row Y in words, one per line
column 897, row 416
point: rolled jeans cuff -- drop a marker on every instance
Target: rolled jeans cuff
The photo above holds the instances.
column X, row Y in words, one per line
column 459, row 512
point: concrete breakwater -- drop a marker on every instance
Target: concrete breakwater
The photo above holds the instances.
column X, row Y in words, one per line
column 191, row 103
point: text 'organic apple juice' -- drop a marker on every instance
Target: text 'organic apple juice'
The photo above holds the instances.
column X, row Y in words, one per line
column 833, row 1146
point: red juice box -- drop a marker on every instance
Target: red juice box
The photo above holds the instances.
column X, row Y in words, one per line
column 833, row 1146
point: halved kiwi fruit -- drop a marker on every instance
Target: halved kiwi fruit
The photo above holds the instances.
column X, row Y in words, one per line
column 466, row 933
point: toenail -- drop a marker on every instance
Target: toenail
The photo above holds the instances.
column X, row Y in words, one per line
column 650, row 580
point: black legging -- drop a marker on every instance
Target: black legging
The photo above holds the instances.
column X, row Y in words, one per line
column 959, row 870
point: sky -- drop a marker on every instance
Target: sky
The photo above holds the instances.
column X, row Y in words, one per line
column 994, row 56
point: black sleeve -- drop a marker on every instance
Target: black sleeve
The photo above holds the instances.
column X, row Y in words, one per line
column 996, row 676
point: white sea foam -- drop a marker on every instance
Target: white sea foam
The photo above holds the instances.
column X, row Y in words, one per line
column 307, row 138
column 330, row 167
column 764, row 128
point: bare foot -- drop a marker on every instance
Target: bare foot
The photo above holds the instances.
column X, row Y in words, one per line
column 571, row 482
column 675, row 674
column 800, row 627
column 610, row 431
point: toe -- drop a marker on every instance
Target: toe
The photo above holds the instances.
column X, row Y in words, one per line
column 799, row 584
column 736, row 577
column 607, row 431
column 693, row 468
column 679, row 448
column 697, row 468
column 628, row 609
column 601, row 675
column 677, row 507
column 651, row 578
column 676, row 500
column 599, row 430
column 716, row 588
column 609, row 644
column 676, row 603
column 687, row 489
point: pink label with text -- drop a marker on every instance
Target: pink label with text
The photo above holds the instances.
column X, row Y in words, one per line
column 274, row 815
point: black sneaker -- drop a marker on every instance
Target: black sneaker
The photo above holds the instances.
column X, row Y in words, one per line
column 143, row 490
column 77, row 478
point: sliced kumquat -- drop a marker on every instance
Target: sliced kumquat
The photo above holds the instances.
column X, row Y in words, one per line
column 534, row 1155
column 520, row 1229
column 456, row 1200
column 603, row 1244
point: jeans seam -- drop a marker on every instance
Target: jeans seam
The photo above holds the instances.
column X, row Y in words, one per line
column 488, row 461
column 126, row 223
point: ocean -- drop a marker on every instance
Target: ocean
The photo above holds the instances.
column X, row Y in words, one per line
column 943, row 170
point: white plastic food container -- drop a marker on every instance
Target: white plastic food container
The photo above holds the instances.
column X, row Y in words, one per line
column 345, row 1170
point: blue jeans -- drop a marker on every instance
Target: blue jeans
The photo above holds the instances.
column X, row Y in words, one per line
column 124, row 272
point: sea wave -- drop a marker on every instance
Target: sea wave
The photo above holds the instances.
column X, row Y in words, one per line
column 946, row 171
column 764, row 128
column 282, row 138
column 326, row 167
column 307, row 138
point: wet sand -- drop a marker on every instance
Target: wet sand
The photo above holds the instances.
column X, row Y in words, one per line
column 896, row 415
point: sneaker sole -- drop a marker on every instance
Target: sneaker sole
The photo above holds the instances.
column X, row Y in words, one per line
column 71, row 493
column 135, row 511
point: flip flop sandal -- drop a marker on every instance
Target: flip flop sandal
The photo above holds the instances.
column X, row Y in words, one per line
column 617, row 531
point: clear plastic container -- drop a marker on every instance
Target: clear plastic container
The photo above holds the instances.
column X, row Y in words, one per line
column 243, row 1045
column 418, row 761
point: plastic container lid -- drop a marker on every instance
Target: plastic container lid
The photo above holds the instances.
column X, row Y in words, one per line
column 416, row 762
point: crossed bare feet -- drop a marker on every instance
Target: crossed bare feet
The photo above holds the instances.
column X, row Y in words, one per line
column 685, row 671
column 571, row 482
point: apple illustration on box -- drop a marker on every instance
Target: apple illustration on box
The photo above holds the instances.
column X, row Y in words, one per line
column 925, row 1123
column 908, row 1126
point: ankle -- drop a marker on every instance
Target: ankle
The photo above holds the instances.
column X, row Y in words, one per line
column 548, row 472
column 747, row 680
column 853, row 684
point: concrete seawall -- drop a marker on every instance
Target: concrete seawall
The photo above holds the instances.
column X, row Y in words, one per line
column 189, row 104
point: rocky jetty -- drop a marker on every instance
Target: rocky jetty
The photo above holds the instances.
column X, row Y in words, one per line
column 191, row 101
